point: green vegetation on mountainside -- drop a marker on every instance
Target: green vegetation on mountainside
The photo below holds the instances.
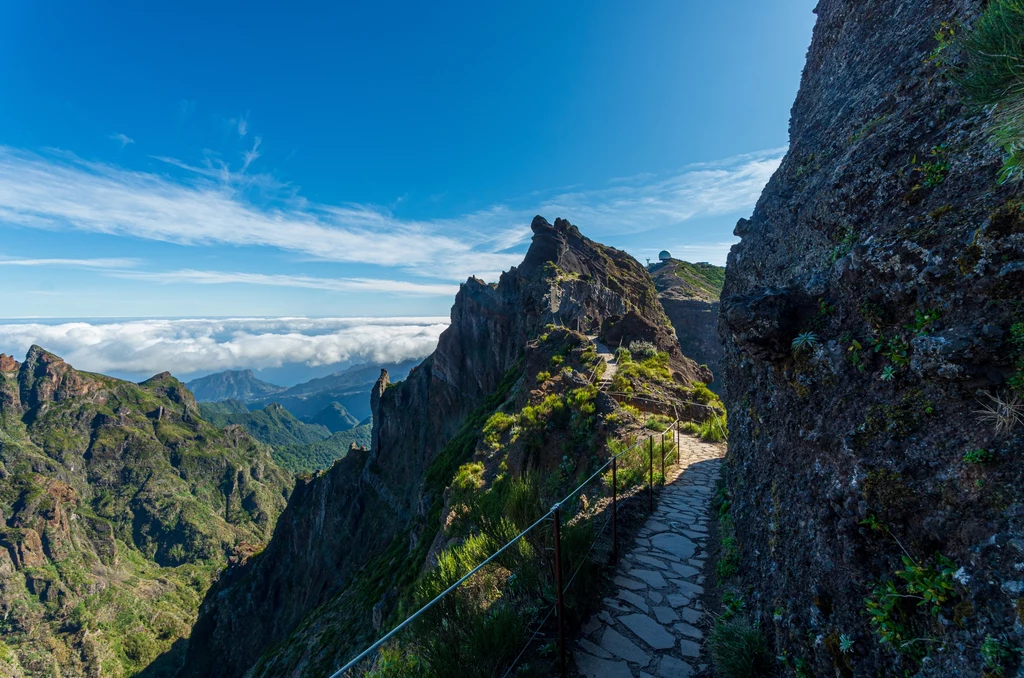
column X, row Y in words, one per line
column 527, row 445
column 121, row 506
column 273, row 425
column 316, row 456
column 700, row 280
column 296, row 446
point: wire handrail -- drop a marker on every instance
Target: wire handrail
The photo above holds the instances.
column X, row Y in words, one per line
column 391, row 634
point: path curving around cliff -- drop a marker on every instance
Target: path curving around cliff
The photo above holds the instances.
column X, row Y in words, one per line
column 655, row 626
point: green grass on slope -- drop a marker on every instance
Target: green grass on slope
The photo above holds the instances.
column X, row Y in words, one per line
column 703, row 277
column 321, row 454
column 992, row 75
column 273, row 425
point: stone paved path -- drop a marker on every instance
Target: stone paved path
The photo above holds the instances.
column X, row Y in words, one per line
column 609, row 358
column 655, row 625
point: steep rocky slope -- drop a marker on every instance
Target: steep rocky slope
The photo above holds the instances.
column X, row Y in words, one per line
column 870, row 314
column 119, row 505
column 690, row 294
column 354, row 536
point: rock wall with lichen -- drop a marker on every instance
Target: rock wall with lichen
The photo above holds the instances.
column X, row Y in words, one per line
column 868, row 315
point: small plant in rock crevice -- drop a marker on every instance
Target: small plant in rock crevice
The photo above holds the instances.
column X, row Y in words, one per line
column 933, row 172
column 853, row 351
column 923, row 321
column 895, row 349
column 996, row 654
column 805, row 342
column 944, row 37
column 892, row 606
column 732, row 604
column 1017, row 342
column 978, row 456
column 1001, row 413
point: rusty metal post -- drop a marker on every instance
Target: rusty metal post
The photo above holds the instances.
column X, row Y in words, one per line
column 650, row 461
column 615, row 510
column 663, row 459
column 558, row 586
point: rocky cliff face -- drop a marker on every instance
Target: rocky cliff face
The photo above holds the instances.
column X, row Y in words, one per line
column 885, row 249
column 690, row 293
column 119, row 506
column 351, row 537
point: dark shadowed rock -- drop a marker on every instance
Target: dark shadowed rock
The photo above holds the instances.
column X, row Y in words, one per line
column 878, row 233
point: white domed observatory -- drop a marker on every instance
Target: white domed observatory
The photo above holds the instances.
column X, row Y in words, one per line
column 664, row 255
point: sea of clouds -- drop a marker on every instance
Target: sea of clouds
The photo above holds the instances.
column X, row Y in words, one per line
column 188, row 347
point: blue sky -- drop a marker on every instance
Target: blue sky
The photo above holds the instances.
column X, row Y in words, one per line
column 257, row 159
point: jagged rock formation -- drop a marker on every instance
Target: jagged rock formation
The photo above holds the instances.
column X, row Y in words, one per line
column 338, row 550
column 885, row 234
column 119, row 506
column 690, row 294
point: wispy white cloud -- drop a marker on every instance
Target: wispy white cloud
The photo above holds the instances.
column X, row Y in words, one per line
column 146, row 347
column 396, row 287
column 240, row 124
column 124, row 139
column 645, row 202
column 213, row 205
column 250, row 156
column 72, row 263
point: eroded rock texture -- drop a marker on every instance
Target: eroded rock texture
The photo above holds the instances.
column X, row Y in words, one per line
column 885, row 211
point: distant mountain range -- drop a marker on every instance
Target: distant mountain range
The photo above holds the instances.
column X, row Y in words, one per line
column 314, row 401
column 240, row 385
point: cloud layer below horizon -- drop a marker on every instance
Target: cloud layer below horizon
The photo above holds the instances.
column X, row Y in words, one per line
column 189, row 346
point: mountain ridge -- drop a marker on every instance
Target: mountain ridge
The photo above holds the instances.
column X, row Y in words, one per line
column 393, row 492
column 120, row 505
column 232, row 385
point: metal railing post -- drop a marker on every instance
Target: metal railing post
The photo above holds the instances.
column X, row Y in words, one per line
column 558, row 586
column 615, row 511
column 663, row 459
column 650, row 461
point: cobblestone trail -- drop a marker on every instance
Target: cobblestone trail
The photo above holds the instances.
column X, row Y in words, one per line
column 609, row 358
column 655, row 625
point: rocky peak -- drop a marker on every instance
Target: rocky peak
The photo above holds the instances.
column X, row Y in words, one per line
column 45, row 377
column 8, row 364
column 167, row 385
